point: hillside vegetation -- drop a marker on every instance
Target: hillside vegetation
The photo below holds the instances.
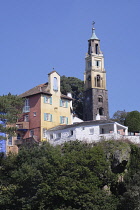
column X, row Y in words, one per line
column 102, row 176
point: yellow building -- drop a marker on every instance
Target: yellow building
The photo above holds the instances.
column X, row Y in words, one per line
column 45, row 107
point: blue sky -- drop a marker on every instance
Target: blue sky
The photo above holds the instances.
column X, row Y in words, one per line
column 39, row 35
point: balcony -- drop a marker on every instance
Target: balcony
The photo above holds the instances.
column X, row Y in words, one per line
column 19, row 141
column 22, row 125
column 26, row 109
column 28, row 141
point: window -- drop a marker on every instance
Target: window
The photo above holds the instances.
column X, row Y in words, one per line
column 63, row 103
column 71, row 133
column 51, row 136
column 100, row 111
column 31, row 133
column 98, row 80
column 26, row 118
column 96, row 49
column 102, row 131
column 58, row 135
column 47, row 100
column 9, row 140
column 100, row 99
column 34, row 114
column 55, row 84
column 97, row 63
column 18, row 136
column 26, row 103
column 47, row 117
column 91, row 131
column 26, row 107
column 63, row 120
column 44, row 133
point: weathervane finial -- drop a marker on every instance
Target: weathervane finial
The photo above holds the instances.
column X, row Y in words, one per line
column 93, row 23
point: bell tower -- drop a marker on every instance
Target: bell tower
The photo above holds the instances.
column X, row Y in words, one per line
column 95, row 93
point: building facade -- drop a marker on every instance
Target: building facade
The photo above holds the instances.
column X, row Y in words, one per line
column 95, row 94
column 45, row 107
column 88, row 131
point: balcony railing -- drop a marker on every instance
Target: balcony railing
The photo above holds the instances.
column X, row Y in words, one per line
column 22, row 125
column 26, row 109
column 27, row 141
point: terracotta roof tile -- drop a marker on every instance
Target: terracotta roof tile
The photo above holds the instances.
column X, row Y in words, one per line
column 36, row 90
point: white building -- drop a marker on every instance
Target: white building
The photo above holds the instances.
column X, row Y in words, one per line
column 87, row 131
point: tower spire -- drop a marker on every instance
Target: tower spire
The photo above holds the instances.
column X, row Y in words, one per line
column 93, row 31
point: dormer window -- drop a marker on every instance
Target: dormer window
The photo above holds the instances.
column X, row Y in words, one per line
column 55, row 84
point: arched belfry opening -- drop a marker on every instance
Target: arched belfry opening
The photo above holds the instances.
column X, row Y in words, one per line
column 101, row 111
column 98, row 81
column 100, row 98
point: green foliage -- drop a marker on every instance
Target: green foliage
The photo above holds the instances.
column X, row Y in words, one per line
column 133, row 121
column 74, row 86
column 56, row 178
column 131, row 198
column 120, row 116
column 10, row 109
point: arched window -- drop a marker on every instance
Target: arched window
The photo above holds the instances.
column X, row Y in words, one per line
column 55, row 84
column 98, row 81
column 100, row 111
column 96, row 49
column 100, row 98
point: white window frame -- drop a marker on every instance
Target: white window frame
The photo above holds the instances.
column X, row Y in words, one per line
column 31, row 132
column 71, row 132
column 34, row 114
column 44, row 133
column 47, row 99
column 48, row 117
column 26, row 118
column 58, row 135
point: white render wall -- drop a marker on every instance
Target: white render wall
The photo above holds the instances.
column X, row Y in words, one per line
column 83, row 133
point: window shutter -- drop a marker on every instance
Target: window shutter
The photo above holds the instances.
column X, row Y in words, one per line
column 60, row 119
column 50, row 117
column 44, row 99
column 51, row 100
column 60, row 102
column 66, row 104
column 45, row 117
column 67, row 120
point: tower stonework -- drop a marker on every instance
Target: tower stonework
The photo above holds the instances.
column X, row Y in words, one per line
column 95, row 93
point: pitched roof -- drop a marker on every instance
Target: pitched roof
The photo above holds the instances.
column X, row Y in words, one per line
column 97, row 122
column 39, row 89
column 36, row 90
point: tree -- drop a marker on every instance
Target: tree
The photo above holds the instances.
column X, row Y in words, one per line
column 119, row 116
column 10, row 110
column 133, row 121
column 76, row 87
column 56, row 178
